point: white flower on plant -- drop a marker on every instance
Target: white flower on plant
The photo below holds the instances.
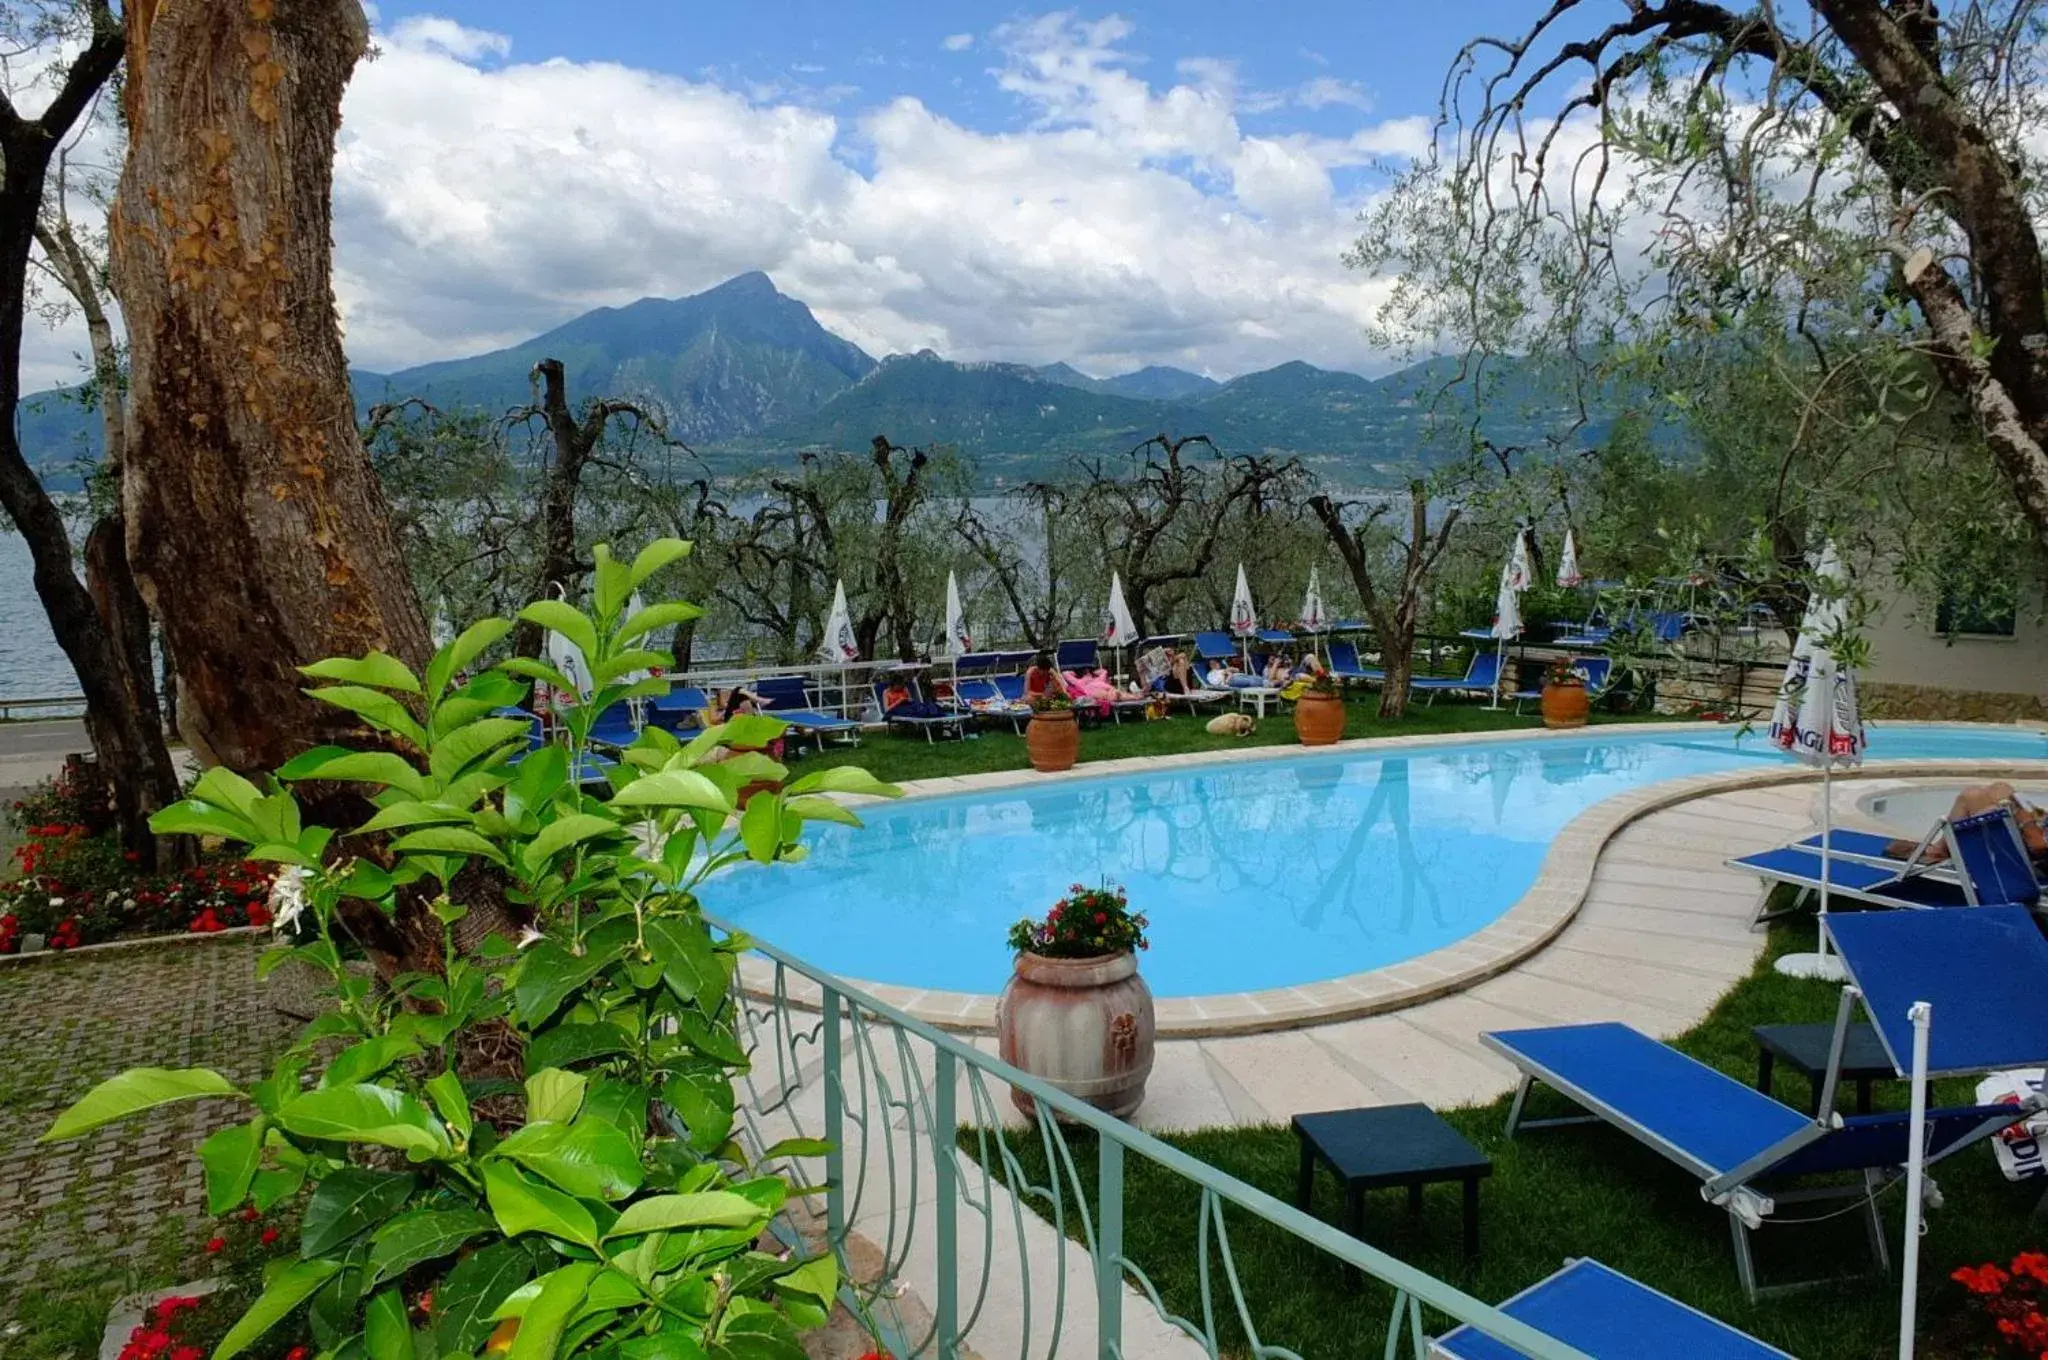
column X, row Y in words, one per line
column 529, row 936
column 56, row 901
column 287, row 898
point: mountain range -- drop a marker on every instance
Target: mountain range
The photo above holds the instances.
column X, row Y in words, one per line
column 744, row 373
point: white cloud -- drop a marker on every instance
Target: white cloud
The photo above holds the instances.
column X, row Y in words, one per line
column 429, row 31
column 1118, row 223
column 1324, row 91
column 957, row 42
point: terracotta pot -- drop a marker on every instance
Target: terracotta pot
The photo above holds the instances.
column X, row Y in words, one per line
column 1084, row 1026
column 1053, row 740
column 1565, row 705
column 1319, row 719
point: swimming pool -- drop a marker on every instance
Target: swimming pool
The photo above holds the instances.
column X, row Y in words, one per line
column 1255, row 875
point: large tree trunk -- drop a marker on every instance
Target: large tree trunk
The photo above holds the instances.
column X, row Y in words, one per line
column 256, row 526
column 130, row 744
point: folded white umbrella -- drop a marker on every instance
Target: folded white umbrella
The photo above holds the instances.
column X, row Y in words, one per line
column 1118, row 630
column 1507, row 616
column 838, row 642
column 1313, row 617
column 1568, row 574
column 957, row 640
column 1816, row 719
column 1518, row 562
column 1244, row 619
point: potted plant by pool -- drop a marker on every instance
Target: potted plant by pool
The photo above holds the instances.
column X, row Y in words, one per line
column 1052, row 738
column 1319, row 711
column 1565, row 700
column 1075, row 1013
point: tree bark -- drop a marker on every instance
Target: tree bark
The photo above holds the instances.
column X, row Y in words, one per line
column 902, row 494
column 575, row 442
column 1394, row 614
column 129, row 744
column 255, row 524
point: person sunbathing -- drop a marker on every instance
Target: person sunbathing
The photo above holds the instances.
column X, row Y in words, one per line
column 2032, row 821
column 1278, row 672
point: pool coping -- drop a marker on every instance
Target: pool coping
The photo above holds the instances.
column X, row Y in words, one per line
column 1532, row 922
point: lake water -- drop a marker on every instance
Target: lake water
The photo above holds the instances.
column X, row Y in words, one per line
column 31, row 665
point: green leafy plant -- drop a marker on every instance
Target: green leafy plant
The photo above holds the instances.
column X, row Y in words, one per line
column 1563, row 671
column 579, row 1189
column 1051, row 700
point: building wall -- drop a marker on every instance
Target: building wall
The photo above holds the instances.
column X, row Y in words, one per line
column 1916, row 672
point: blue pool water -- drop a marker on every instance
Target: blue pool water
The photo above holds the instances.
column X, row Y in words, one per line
column 1254, row 875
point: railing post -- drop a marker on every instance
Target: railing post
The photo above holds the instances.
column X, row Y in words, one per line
column 835, row 1125
column 1109, row 1248
column 945, row 1183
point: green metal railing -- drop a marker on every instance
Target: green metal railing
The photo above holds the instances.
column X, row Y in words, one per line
column 915, row 1206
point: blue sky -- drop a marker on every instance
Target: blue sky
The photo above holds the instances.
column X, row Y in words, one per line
column 1146, row 183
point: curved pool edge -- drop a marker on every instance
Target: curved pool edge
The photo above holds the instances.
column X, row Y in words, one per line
column 1525, row 928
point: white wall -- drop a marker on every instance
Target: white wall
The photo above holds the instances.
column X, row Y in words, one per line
column 1905, row 650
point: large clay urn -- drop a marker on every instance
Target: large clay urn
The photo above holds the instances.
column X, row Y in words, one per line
column 1053, row 740
column 1082, row 1025
column 1319, row 719
column 1566, row 705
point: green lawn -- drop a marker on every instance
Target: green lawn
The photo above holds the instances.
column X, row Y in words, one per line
column 1570, row 1192
column 893, row 756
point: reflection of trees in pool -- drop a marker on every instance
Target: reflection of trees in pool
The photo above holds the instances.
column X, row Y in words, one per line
column 1390, row 799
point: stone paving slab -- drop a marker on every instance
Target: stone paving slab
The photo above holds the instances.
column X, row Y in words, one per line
column 132, row 1189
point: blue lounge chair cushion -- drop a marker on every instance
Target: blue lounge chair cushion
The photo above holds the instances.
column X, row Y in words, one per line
column 1994, row 859
column 1885, row 884
column 1692, row 1113
column 1078, row 654
column 809, row 720
column 1979, row 971
column 1608, row 1316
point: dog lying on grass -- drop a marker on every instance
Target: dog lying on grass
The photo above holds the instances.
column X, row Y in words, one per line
column 1231, row 725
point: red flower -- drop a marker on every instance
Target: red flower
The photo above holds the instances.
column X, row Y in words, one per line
column 248, row 1213
column 1981, row 1279
column 259, row 915
column 189, row 1353
column 298, row 1353
column 269, row 1236
column 216, row 1245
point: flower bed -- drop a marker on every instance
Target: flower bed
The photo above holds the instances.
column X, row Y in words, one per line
column 76, row 887
column 189, row 1322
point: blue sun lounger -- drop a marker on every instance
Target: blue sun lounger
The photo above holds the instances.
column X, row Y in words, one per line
column 989, row 703
column 1979, row 970
column 1480, row 677
column 1344, row 664
column 1987, row 865
column 1078, row 655
column 786, row 697
column 932, row 725
column 681, row 709
column 1606, row 1315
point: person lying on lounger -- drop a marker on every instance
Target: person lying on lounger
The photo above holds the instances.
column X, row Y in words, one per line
column 2033, row 822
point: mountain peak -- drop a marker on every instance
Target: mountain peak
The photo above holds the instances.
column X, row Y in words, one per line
column 752, row 284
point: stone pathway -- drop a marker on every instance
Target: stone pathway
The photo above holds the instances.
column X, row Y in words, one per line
column 128, row 1196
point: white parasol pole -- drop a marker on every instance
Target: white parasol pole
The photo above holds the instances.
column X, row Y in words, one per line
column 1922, row 1016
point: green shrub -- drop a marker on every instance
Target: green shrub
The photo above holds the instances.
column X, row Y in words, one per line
column 596, row 1202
